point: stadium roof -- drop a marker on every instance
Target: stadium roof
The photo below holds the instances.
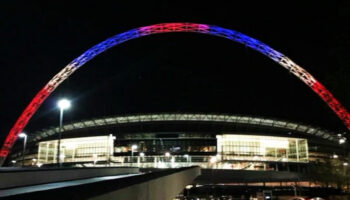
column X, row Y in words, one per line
column 166, row 117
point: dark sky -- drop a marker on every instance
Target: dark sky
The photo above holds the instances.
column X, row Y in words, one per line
column 179, row 72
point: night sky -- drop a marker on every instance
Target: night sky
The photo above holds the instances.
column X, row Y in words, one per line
column 176, row 72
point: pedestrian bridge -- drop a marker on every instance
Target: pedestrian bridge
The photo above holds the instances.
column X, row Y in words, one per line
column 94, row 183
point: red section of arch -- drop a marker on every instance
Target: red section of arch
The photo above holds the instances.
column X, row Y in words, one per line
column 336, row 106
column 23, row 120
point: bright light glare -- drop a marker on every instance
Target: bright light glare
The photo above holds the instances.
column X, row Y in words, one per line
column 341, row 141
column 63, row 104
column 167, row 154
column 335, row 156
column 345, row 164
column 134, row 146
column 189, row 186
column 212, row 159
column 186, row 155
column 161, row 164
column 142, row 154
column 22, row 135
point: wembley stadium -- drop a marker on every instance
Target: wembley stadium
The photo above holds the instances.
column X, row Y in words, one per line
column 228, row 148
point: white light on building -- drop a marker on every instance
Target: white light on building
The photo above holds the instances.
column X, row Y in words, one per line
column 62, row 156
column 213, row 159
column 264, row 148
column 82, row 149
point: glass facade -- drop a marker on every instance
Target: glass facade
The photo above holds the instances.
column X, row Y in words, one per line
column 262, row 148
column 156, row 146
column 83, row 149
column 226, row 151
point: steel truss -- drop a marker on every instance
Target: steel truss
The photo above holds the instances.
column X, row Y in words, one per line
column 189, row 117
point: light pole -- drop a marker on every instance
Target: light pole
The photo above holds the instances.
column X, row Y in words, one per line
column 133, row 147
column 295, row 190
column 140, row 158
column 63, row 104
column 186, row 156
column 24, row 136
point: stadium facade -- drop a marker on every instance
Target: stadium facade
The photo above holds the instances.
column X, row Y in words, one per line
column 226, row 143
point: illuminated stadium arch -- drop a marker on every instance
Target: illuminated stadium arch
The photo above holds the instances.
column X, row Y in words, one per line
column 278, row 57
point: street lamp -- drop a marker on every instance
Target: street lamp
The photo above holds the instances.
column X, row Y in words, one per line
column 142, row 155
column 188, row 187
column 187, row 157
column 63, row 104
column 133, row 147
column 24, row 136
column 34, row 161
